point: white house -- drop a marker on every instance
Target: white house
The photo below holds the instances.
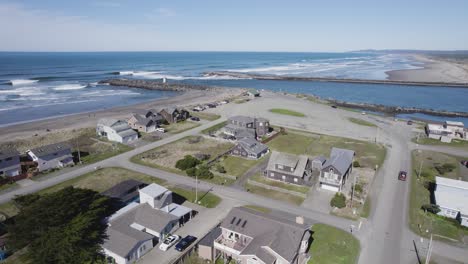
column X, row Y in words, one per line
column 52, row 156
column 452, row 198
column 446, row 131
column 116, row 130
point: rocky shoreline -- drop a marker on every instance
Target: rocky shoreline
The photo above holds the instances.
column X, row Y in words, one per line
column 156, row 85
column 329, row 79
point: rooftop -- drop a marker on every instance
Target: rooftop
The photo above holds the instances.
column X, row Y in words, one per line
column 252, row 145
column 7, row 153
column 299, row 163
column 153, row 190
column 50, row 149
column 125, row 189
column 452, row 194
column 340, row 159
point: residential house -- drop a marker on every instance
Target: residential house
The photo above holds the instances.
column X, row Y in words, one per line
column 317, row 163
column 135, row 229
column 9, row 163
column 452, row 198
column 446, row 131
column 206, row 248
column 252, row 93
column 250, row 236
column 249, row 148
column 174, row 115
column 336, row 169
column 126, row 191
column 289, row 168
column 52, row 156
column 244, row 126
column 116, row 130
column 145, row 121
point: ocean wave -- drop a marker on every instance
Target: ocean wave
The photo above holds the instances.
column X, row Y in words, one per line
column 22, row 82
column 66, row 87
column 25, row 91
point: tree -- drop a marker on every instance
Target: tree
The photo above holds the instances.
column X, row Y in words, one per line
column 220, row 168
column 203, row 171
column 432, row 208
column 187, row 162
column 339, row 200
column 66, row 226
column 191, row 172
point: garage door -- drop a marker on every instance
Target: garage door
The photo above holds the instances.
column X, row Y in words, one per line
column 330, row 188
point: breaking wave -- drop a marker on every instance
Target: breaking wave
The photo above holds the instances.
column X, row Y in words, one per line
column 22, row 82
column 67, row 87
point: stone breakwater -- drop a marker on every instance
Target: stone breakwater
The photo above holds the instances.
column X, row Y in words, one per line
column 156, row 85
column 330, row 79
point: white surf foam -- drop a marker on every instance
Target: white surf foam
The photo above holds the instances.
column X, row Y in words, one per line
column 126, row 73
column 66, row 87
column 22, row 82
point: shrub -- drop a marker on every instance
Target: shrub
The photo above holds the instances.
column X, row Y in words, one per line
column 356, row 164
column 433, row 208
column 339, row 200
column 204, row 172
column 445, row 168
column 358, row 188
column 191, row 172
column 187, row 162
column 220, row 168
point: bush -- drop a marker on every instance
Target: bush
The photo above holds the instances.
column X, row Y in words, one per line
column 191, row 172
column 356, row 164
column 339, row 200
column 204, row 172
column 445, row 168
column 358, row 188
column 187, row 162
column 220, row 168
column 433, row 208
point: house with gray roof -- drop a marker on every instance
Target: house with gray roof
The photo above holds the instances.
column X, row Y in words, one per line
column 174, row 114
column 289, row 168
column 249, row 148
column 145, row 121
column 452, row 198
column 10, row 165
column 116, row 130
column 249, row 236
column 245, row 126
column 126, row 191
column 52, row 156
column 336, row 169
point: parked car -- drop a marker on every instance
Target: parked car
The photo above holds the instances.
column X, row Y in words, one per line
column 160, row 129
column 410, row 122
column 334, row 106
column 194, row 118
column 184, row 243
column 464, row 163
column 169, row 242
column 402, row 176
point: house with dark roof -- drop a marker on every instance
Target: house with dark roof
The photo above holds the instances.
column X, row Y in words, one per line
column 145, row 121
column 249, row 236
column 10, row 165
column 174, row 114
column 289, row 168
column 116, row 130
column 126, row 191
column 249, row 148
column 336, row 169
column 52, row 156
column 205, row 246
column 245, row 126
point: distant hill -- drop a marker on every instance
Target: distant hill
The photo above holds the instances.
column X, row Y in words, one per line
column 429, row 52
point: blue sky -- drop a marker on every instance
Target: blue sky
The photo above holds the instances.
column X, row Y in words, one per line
column 241, row 25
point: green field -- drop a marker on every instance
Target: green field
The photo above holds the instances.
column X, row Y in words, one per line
column 419, row 221
column 214, row 128
column 291, row 187
column 331, row 245
column 431, row 141
column 282, row 111
column 297, row 142
column 274, row 194
column 237, row 166
column 205, row 115
column 361, row 122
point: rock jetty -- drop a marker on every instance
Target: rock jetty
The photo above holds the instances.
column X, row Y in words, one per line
column 155, row 85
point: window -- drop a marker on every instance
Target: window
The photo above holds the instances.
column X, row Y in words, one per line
column 8, row 159
column 280, row 166
column 295, row 179
column 272, row 174
column 283, row 177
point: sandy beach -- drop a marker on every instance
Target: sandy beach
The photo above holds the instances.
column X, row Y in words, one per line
column 435, row 70
column 83, row 120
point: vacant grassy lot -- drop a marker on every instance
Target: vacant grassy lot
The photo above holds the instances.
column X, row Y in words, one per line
column 237, row 166
column 333, row 246
column 205, row 199
column 361, row 122
column 274, row 195
column 419, row 221
column 286, row 112
column 205, row 115
column 431, row 141
column 292, row 187
column 297, row 142
column 213, row 129
column 179, row 127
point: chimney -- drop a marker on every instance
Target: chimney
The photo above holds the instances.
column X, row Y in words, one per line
column 300, row 220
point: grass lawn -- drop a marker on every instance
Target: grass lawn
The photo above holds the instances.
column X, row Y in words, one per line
column 431, row 141
column 274, row 194
column 208, row 131
column 419, row 195
column 292, row 187
column 237, row 166
column 258, row 208
column 208, row 200
column 101, row 151
column 297, row 142
column 205, row 115
column 286, row 112
column 331, row 245
column 8, row 186
column 366, row 208
column 361, row 122
column 179, row 127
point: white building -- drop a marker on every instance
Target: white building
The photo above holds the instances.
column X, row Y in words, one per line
column 116, row 130
column 446, row 131
column 452, row 198
column 52, row 156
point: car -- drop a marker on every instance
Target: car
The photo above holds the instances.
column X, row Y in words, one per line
column 160, row 129
column 169, row 242
column 194, row 118
column 464, row 163
column 409, row 123
column 363, row 113
column 402, row 176
column 334, row 106
column 184, row 243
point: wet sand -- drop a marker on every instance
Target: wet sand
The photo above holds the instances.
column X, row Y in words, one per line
column 435, row 70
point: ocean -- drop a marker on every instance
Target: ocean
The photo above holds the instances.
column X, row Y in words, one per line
column 43, row 85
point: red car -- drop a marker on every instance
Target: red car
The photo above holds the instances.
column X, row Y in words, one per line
column 402, row 176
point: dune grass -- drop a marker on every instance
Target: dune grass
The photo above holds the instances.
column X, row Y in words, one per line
column 361, row 122
column 282, row 111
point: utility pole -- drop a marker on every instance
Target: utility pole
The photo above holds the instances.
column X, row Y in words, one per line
column 196, row 189
column 79, row 153
column 429, row 251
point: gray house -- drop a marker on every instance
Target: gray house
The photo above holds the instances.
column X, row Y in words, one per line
column 249, row 148
column 9, row 163
column 249, row 236
column 289, row 168
column 174, row 114
column 52, row 156
column 336, row 169
column 244, row 126
column 317, row 163
column 126, row 191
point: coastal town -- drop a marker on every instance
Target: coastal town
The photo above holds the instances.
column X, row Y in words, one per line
column 253, row 177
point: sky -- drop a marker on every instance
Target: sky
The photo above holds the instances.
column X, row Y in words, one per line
column 241, row 25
